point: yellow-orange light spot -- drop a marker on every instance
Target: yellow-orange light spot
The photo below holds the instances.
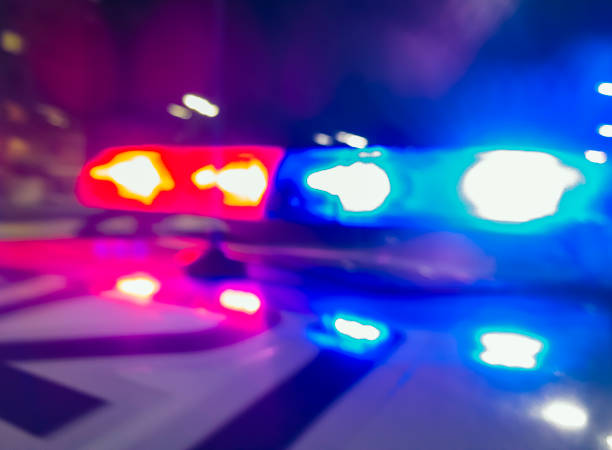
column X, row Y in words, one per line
column 242, row 301
column 140, row 288
column 243, row 183
column 138, row 175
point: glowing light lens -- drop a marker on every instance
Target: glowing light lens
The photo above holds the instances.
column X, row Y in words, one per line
column 510, row 350
column 179, row 111
column 138, row 175
column 356, row 330
column 605, row 130
column 200, row 105
column 323, row 139
column 596, row 156
column 609, row 440
column 352, row 140
column 349, row 333
column 517, row 186
column 242, row 301
column 605, row 88
column 243, row 183
column 141, row 287
column 565, row 415
column 360, row 186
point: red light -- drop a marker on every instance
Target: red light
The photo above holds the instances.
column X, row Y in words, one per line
column 242, row 301
column 138, row 288
column 186, row 256
column 243, row 183
column 138, row 175
column 223, row 182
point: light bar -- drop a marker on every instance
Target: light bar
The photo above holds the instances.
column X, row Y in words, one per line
column 223, row 182
column 510, row 191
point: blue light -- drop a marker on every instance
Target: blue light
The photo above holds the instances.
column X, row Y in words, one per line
column 368, row 187
column 351, row 333
column 605, row 130
column 605, row 88
column 507, row 191
column 517, row 186
column 510, row 350
column 356, row 329
column 360, row 187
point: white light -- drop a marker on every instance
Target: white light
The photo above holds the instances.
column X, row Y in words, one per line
column 605, row 88
column 596, row 156
column 178, row 111
column 139, row 175
column 205, row 177
column 246, row 302
column 609, row 440
column 374, row 154
column 360, row 186
column 323, row 139
column 510, row 350
column 244, row 182
column 517, row 186
column 200, row 105
column 139, row 286
column 357, row 330
column 605, row 130
column 565, row 415
column 249, row 184
column 352, row 140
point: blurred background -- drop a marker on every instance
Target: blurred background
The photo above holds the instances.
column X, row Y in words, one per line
column 77, row 76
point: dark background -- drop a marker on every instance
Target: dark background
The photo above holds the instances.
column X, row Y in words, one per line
column 417, row 74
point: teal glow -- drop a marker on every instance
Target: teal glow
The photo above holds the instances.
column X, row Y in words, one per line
column 580, row 186
column 512, row 186
column 352, row 187
column 425, row 189
column 350, row 333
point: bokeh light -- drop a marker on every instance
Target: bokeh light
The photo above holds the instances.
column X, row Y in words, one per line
column 517, row 186
column 360, row 187
column 138, row 175
column 242, row 301
column 596, row 156
column 512, row 350
column 565, row 415
column 200, row 105
column 141, row 287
